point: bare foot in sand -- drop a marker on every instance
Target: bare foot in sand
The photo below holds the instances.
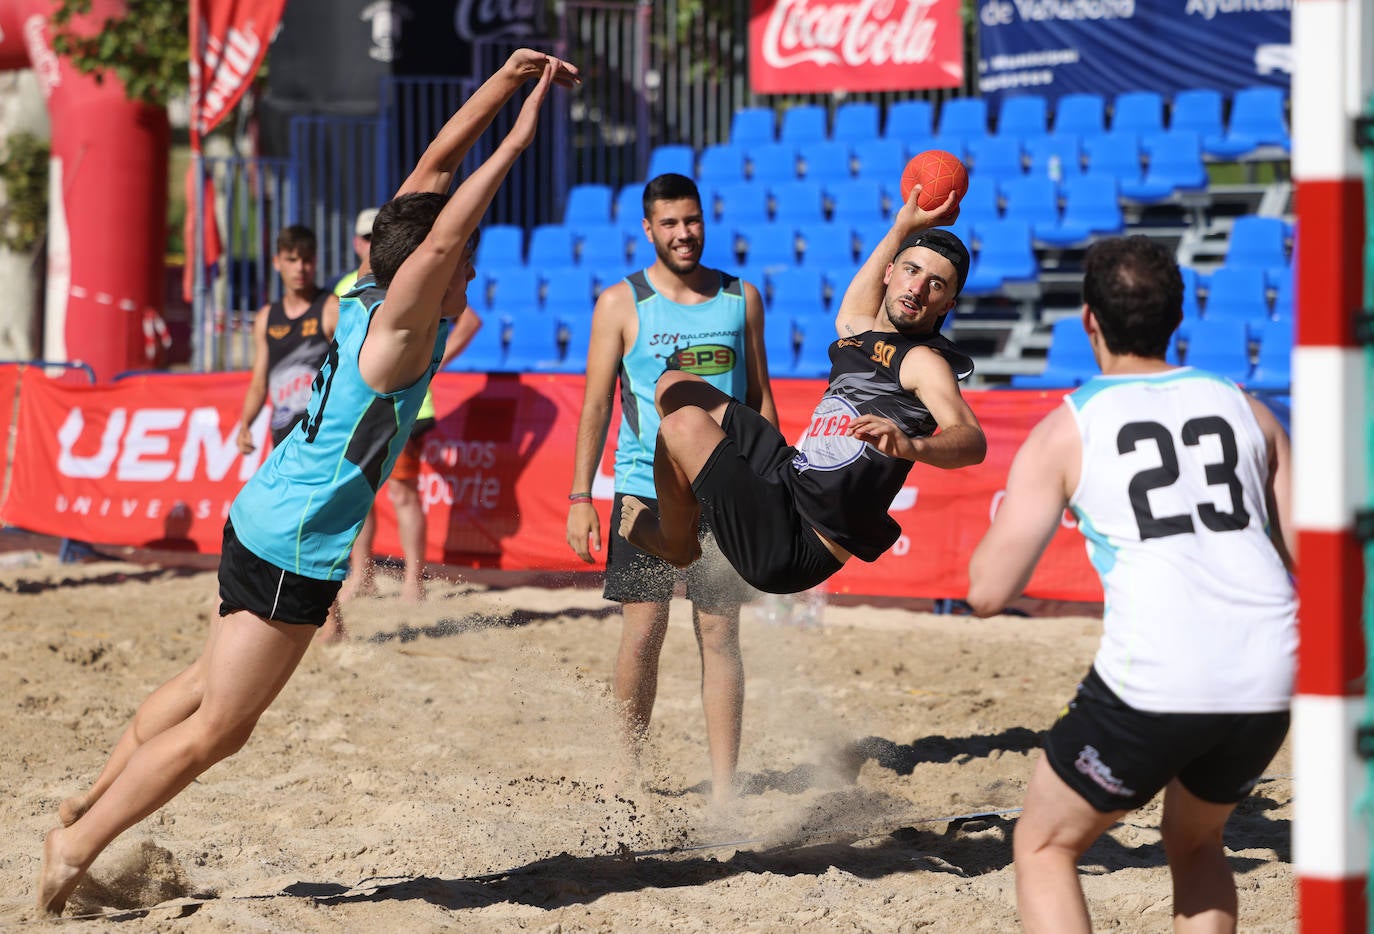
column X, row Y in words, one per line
column 412, row 592
column 57, row 878
column 356, row 587
column 70, row 810
column 640, row 527
column 333, row 629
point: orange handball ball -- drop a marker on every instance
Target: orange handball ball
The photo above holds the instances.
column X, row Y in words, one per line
column 937, row 172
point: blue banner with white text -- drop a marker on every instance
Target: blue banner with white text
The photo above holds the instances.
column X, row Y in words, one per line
column 1058, row 47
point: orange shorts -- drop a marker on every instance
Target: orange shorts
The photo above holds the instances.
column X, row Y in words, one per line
column 407, row 467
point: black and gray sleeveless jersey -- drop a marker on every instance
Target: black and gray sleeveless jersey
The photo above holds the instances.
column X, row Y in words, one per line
column 843, row 486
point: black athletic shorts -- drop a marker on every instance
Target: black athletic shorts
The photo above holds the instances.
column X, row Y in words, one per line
column 750, row 509
column 246, row 582
column 1118, row 758
column 634, row 576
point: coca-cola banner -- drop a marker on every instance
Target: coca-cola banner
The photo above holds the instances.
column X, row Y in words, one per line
column 152, row 461
column 810, row 46
column 1050, row 48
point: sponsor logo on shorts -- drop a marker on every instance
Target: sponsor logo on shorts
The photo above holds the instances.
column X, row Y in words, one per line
column 1090, row 764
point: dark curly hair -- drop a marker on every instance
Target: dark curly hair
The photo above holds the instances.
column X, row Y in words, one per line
column 1133, row 287
column 669, row 186
column 401, row 225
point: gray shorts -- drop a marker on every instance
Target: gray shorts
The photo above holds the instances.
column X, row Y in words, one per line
column 634, row 576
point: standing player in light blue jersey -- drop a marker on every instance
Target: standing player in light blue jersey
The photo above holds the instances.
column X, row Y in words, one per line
column 290, row 529
column 1179, row 481
column 676, row 315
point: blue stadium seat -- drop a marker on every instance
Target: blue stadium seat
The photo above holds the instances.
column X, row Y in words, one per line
column 601, row 244
column 910, row 123
column 882, row 160
column 1200, row 110
column 866, row 237
column 1221, row 347
column 1257, row 118
column 837, row 279
column 803, row 123
column 799, row 292
column 963, row 118
column 1259, row 241
column 533, row 344
column 512, row 288
column 980, row 203
column 608, row 273
column 722, row 164
column 856, row 122
column 1005, row 255
column 995, row 158
column 780, row 340
column 588, row 204
column 813, row 359
column 856, row 201
column 769, row 245
column 672, row 157
column 1080, row 114
column 1192, row 306
column 572, row 333
column 826, row 161
column 719, row 252
column 1174, row 163
column 1138, row 112
column 827, row 245
column 772, row 162
column 1023, row 117
column 740, row 203
column 1274, row 363
column 1115, row 154
column 799, row 202
column 1059, row 157
column 551, row 245
column 1033, row 199
column 752, row 125
column 1283, row 296
column 487, row 351
column 629, row 206
column 501, row 245
column 1236, row 293
column 1069, row 361
column 561, row 286
column 1091, row 208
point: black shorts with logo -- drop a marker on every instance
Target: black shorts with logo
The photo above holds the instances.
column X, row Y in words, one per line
column 634, row 576
column 751, row 512
column 247, row 582
column 1118, row 758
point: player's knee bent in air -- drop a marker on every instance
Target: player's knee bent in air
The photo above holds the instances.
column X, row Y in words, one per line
column 681, row 428
column 675, row 389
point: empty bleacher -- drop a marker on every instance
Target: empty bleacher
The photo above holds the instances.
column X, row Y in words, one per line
column 794, row 200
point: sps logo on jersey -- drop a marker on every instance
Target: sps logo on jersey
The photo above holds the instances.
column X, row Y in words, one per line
column 703, row 359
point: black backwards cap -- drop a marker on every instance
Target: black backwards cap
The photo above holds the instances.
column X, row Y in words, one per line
column 946, row 244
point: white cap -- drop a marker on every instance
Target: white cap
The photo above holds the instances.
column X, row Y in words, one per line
column 362, row 227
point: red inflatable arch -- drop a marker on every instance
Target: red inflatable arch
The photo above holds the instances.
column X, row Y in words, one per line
column 108, row 232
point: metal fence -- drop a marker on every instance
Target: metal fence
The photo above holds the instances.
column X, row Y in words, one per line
column 653, row 74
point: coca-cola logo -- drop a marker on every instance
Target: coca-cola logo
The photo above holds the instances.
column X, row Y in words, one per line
column 869, row 32
column 483, row 19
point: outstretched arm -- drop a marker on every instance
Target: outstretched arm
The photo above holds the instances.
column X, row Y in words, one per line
column 863, row 299
column 439, row 162
column 400, row 341
column 1037, row 492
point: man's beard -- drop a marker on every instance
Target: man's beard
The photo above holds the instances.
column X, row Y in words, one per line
column 679, row 266
column 903, row 326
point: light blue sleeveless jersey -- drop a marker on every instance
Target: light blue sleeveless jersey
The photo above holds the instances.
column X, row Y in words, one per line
column 706, row 339
column 303, row 508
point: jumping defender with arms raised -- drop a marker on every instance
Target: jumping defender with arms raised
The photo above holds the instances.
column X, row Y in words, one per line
column 286, row 551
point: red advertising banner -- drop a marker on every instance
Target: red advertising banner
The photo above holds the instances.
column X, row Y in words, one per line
column 228, row 41
column 810, row 46
column 9, row 385
column 152, row 461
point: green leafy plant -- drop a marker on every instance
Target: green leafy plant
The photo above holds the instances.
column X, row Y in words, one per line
column 146, row 49
column 24, row 175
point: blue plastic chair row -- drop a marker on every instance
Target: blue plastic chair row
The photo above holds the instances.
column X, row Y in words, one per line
column 1257, row 119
